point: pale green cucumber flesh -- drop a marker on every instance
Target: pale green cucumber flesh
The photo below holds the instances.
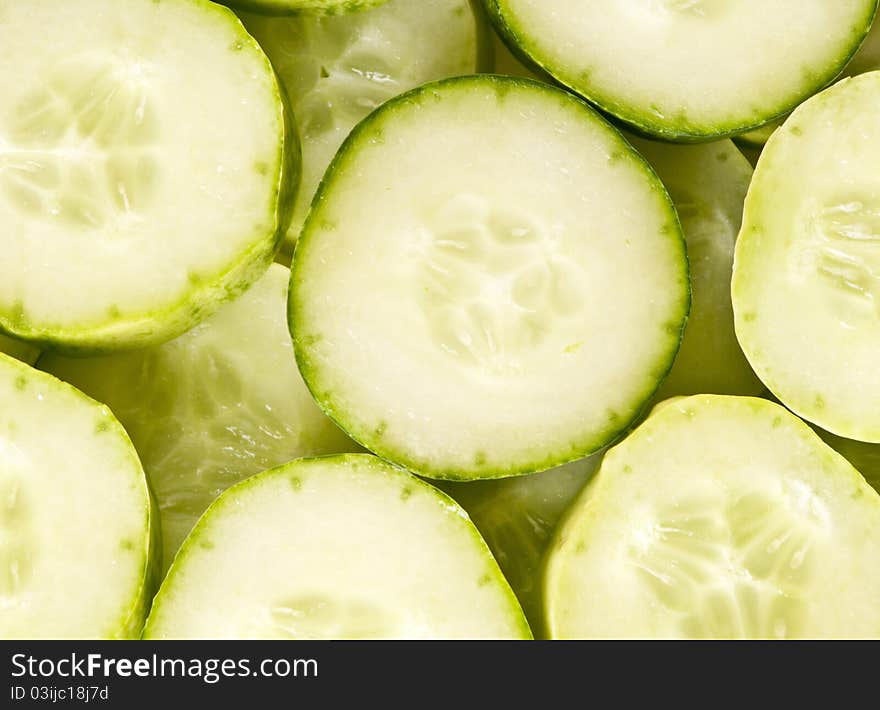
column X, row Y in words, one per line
column 336, row 70
column 707, row 184
column 806, row 282
column 517, row 517
column 719, row 517
column 124, row 166
column 677, row 69
column 76, row 531
column 865, row 457
column 214, row 406
column 506, row 300
column 332, row 548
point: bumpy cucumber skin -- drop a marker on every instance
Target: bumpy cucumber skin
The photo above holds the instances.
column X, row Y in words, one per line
column 308, row 367
column 590, row 497
column 158, row 326
column 641, row 123
column 131, row 623
column 293, row 7
column 382, row 468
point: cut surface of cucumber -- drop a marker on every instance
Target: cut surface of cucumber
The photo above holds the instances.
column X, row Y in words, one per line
column 338, row 69
column 517, row 516
column 506, row 299
column 719, row 517
column 216, row 405
column 806, row 280
column 707, row 184
column 688, row 69
column 290, row 7
column 76, row 529
column 341, row 547
column 141, row 161
column 19, row 350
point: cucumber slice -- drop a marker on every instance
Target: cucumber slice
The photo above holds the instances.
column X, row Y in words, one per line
column 290, row 7
column 806, row 280
column 719, row 517
column 865, row 60
column 506, row 299
column 141, row 160
column 19, row 350
column 688, row 69
column 517, row 516
column 338, row 69
column 708, row 184
column 218, row 404
column 76, row 529
column 332, row 548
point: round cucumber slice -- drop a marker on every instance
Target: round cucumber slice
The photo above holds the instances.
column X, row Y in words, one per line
column 19, row 350
column 708, row 184
column 214, row 406
column 719, row 517
column 338, row 69
column 76, row 528
column 504, row 299
column 865, row 60
column 806, row 279
column 688, row 69
column 290, row 7
column 341, row 547
column 144, row 168
column 517, row 516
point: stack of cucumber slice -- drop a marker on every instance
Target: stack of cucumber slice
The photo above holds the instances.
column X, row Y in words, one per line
column 529, row 365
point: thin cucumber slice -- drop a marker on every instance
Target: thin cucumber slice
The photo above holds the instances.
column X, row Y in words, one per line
column 708, row 184
column 806, row 279
column 291, row 7
column 214, row 406
column 76, row 528
column 688, row 69
column 341, row 547
column 719, row 517
column 144, row 168
column 19, row 350
column 517, row 516
column 865, row 60
column 338, row 69
column 502, row 301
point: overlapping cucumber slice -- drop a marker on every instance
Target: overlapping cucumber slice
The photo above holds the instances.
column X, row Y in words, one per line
column 688, row 69
column 719, row 517
column 502, row 300
column 806, row 280
column 218, row 404
column 517, row 517
column 340, row 547
column 708, row 184
column 338, row 69
column 138, row 190
column 77, row 534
